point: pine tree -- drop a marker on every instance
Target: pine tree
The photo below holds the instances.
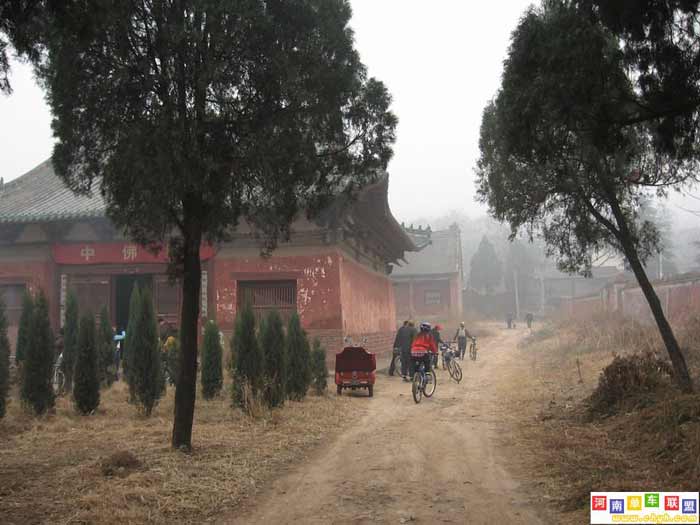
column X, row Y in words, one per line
column 248, row 356
column 212, row 377
column 4, row 360
column 275, row 358
column 105, row 350
column 132, row 327
column 299, row 376
column 25, row 324
column 145, row 370
column 37, row 391
column 319, row 369
column 70, row 339
column 86, row 380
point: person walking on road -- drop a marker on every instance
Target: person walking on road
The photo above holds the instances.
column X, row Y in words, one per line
column 461, row 336
column 402, row 343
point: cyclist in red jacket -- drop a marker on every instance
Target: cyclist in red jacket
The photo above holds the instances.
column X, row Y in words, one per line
column 422, row 347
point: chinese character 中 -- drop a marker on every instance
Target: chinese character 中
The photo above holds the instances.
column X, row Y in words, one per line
column 690, row 506
column 129, row 252
column 617, row 506
column 671, row 503
column 87, row 253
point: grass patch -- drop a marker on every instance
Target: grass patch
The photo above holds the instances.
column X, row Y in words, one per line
column 606, row 415
column 117, row 466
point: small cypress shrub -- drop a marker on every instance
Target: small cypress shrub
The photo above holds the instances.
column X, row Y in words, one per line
column 132, row 328
column 4, row 361
column 145, row 369
column 86, row 379
column 275, row 357
column 37, row 390
column 247, row 357
column 70, row 339
column 25, row 327
column 299, row 353
column 319, row 369
column 105, row 350
column 212, row 377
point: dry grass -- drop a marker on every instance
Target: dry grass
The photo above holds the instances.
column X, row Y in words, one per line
column 654, row 443
column 117, row 467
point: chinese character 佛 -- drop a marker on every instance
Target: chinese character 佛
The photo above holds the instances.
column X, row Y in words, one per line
column 129, row 252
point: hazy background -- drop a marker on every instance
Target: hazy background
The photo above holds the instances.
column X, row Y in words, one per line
column 442, row 62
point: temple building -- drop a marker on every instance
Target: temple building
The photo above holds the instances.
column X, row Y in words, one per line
column 428, row 286
column 334, row 271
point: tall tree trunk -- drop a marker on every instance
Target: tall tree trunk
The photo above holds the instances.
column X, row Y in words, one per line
column 674, row 352
column 186, row 389
column 626, row 239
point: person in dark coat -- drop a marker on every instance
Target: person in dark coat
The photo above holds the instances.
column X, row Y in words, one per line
column 402, row 347
column 405, row 347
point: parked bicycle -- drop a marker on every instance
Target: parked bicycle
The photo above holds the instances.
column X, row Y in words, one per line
column 395, row 366
column 424, row 383
column 449, row 361
column 472, row 349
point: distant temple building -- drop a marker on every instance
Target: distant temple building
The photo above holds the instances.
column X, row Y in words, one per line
column 333, row 272
column 429, row 285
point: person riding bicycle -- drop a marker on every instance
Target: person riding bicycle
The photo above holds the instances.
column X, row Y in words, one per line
column 423, row 348
column 461, row 336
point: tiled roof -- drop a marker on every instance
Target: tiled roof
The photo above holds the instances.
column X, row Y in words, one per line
column 41, row 196
column 442, row 256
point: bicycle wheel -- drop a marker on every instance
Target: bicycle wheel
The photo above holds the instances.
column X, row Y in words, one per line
column 397, row 365
column 452, row 369
column 430, row 383
column 417, row 388
column 457, row 372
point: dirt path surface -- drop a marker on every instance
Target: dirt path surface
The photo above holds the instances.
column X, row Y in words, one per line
column 445, row 460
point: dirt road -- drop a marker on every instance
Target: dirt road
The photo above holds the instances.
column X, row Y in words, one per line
column 445, row 460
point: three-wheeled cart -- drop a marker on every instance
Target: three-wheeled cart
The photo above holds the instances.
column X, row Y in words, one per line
column 355, row 368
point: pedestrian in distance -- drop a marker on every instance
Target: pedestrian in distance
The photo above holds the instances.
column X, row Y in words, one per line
column 461, row 336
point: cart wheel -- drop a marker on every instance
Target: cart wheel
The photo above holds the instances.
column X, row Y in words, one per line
column 340, row 390
column 370, row 390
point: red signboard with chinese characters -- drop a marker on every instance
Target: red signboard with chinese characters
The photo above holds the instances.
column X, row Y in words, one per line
column 114, row 253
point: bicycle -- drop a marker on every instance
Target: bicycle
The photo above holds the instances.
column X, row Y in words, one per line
column 395, row 366
column 449, row 361
column 472, row 349
column 424, row 383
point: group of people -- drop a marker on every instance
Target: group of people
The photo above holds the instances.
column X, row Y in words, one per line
column 510, row 320
column 416, row 346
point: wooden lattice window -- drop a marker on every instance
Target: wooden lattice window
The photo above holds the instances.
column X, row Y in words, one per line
column 266, row 296
column 12, row 295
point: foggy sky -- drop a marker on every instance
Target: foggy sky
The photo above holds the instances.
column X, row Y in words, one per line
column 441, row 60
